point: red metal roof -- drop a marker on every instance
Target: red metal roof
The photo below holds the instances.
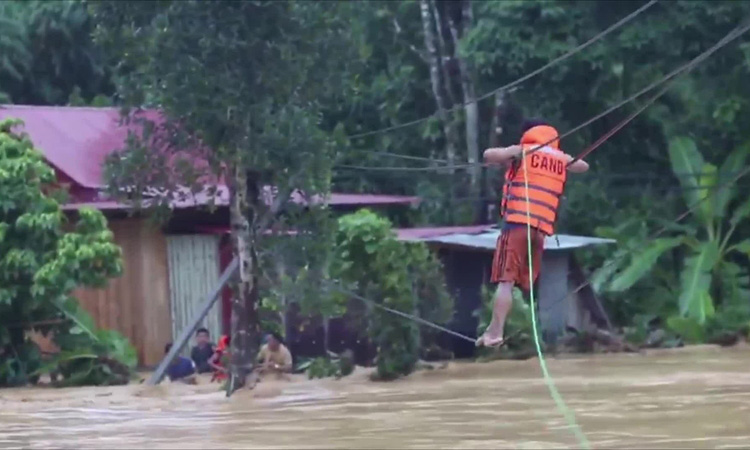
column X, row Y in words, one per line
column 76, row 141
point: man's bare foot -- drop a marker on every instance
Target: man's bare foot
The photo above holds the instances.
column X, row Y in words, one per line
column 493, row 342
column 489, row 339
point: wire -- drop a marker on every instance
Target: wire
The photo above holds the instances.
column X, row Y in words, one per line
column 512, row 84
column 629, row 175
column 731, row 36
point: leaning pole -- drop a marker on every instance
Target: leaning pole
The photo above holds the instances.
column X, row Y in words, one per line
column 188, row 331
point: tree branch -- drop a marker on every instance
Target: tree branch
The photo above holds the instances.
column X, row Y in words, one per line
column 279, row 202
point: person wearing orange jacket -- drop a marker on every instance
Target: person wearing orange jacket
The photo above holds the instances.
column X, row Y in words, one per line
column 544, row 170
column 216, row 362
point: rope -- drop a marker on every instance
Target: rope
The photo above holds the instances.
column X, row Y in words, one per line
column 559, row 402
column 403, row 314
column 512, row 84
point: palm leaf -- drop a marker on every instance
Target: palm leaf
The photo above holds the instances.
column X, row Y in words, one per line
column 695, row 300
column 642, row 263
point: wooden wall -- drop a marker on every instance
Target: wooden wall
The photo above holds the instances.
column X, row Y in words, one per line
column 137, row 303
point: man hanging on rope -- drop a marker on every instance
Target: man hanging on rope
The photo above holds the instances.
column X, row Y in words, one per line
column 545, row 172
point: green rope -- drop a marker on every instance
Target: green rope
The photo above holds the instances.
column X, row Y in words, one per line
column 561, row 406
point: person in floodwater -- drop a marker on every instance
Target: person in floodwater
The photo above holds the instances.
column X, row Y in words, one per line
column 202, row 351
column 274, row 356
column 544, row 171
column 181, row 368
column 217, row 360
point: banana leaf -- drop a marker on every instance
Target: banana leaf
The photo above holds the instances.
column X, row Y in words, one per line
column 740, row 213
column 603, row 275
column 687, row 163
column 732, row 283
column 641, row 263
column 83, row 320
column 695, row 300
column 730, row 169
column 743, row 246
column 709, row 187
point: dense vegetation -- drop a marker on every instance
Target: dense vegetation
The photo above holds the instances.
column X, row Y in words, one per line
column 286, row 93
column 42, row 260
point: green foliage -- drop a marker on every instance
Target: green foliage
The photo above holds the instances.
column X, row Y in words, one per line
column 642, row 263
column 41, row 265
column 707, row 274
column 687, row 328
column 434, row 303
column 369, row 257
column 224, row 87
column 47, row 54
column 404, row 277
column 333, row 365
column 518, row 325
column 241, row 87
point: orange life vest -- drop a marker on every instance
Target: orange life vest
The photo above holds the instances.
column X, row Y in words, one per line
column 545, row 170
column 221, row 350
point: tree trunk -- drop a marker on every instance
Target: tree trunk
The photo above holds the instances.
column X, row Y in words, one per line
column 434, row 62
column 245, row 336
column 470, row 100
column 281, row 270
column 496, row 132
column 444, row 54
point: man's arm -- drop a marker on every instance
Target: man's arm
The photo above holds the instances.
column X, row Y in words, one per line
column 288, row 363
column 214, row 362
column 502, row 155
column 579, row 166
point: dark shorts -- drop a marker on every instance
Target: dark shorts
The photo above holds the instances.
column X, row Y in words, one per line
column 511, row 261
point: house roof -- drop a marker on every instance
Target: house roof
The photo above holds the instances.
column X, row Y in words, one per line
column 77, row 140
column 486, row 240
column 222, row 199
column 417, row 234
column 74, row 140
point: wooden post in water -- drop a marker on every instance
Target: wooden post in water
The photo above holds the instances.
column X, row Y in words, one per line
column 188, row 331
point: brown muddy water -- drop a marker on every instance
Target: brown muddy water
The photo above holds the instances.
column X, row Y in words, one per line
column 690, row 398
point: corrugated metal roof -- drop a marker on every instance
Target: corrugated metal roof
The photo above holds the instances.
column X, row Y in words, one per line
column 75, row 140
column 413, row 234
column 487, row 240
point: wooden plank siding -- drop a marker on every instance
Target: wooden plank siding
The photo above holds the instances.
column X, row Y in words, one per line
column 137, row 303
column 193, row 273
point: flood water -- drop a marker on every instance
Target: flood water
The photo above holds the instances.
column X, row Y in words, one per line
column 689, row 398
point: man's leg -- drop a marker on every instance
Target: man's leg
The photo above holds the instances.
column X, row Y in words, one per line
column 503, row 304
column 506, row 271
